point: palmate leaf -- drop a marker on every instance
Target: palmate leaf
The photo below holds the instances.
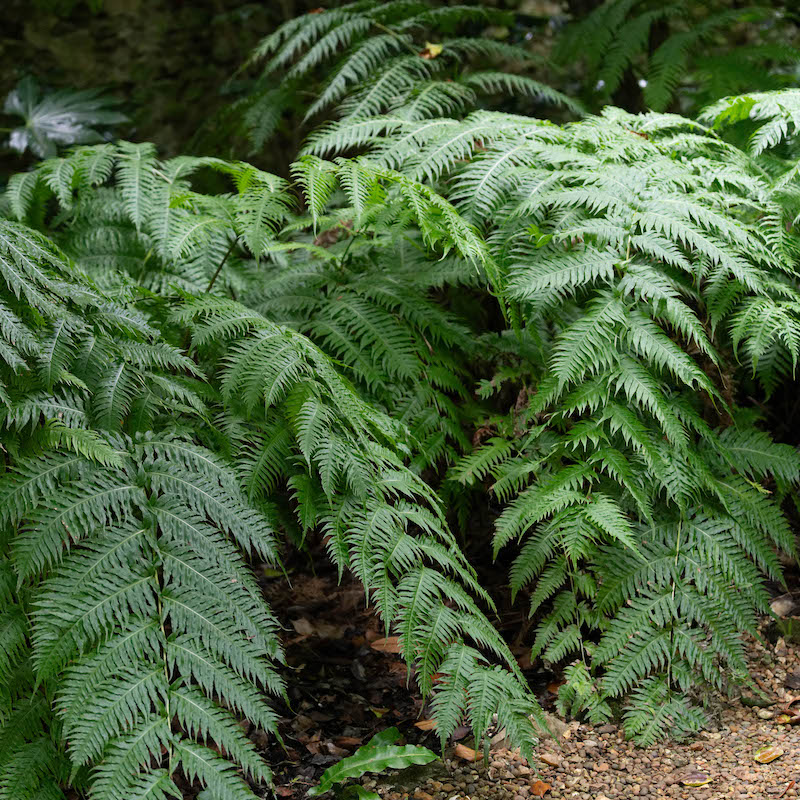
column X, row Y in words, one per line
column 58, row 118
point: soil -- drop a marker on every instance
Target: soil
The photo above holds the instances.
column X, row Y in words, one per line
column 342, row 691
column 587, row 763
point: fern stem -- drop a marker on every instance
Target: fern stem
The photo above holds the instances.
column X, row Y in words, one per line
column 343, row 259
column 405, row 44
column 221, row 265
column 671, row 653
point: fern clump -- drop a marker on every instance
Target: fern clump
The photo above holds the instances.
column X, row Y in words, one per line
column 646, row 267
column 148, row 631
column 133, row 629
column 162, row 433
column 203, row 364
column 362, row 59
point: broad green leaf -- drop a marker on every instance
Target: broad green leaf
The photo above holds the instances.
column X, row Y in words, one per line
column 375, row 756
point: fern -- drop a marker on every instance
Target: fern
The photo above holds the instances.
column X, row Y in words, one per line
column 635, row 255
column 130, row 510
column 147, row 563
column 365, row 59
column 650, row 55
column 573, row 318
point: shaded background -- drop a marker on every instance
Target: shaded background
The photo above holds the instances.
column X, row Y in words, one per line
column 171, row 62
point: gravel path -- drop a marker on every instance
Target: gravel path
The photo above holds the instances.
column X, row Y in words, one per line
column 598, row 764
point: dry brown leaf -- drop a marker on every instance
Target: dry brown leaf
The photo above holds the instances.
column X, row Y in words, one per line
column 467, row 753
column 498, row 739
column 334, row 750
column 327, row 631
column 789, row 785
column 783, row 606
column 460, row 732
column 327, row 238
column 768, row 754
column 539, row 789
column 695, row 778
column 302, row 723
column 347, row 741
column 303, row 626
column 425, row 724
column 524, row 659
column 391, row 644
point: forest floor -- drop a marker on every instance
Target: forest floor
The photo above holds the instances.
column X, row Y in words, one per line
column 347, row 684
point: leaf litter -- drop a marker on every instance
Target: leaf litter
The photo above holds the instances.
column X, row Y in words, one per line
column 349, row 683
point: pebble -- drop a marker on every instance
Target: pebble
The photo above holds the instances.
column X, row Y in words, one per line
column 599, row 764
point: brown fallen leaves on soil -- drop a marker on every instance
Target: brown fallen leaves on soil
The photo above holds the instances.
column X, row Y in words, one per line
column 391, row 644
column 768, row 754
column 349, row 682
column 539, row 788
column 467, row 753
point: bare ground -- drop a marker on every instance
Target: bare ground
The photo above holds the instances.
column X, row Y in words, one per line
column 343, row 691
